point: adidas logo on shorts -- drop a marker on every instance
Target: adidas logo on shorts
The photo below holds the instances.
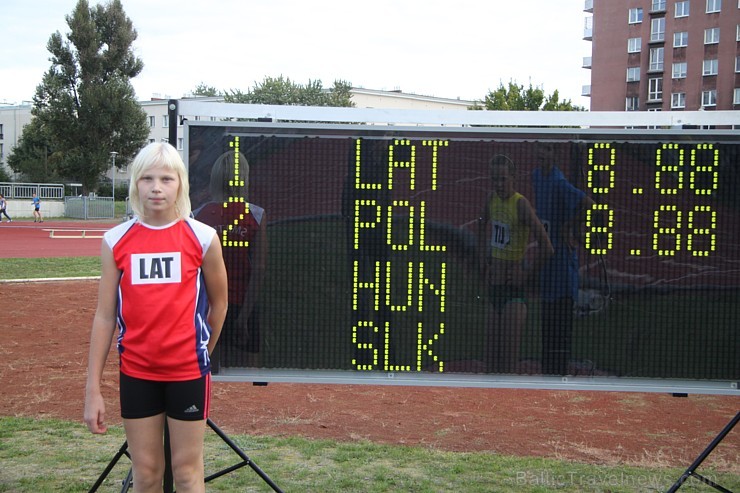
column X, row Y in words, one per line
column 192, row 409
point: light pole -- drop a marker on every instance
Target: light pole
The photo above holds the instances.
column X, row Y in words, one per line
column 113, row 155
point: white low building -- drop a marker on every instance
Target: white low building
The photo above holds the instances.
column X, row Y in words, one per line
column 14, row 117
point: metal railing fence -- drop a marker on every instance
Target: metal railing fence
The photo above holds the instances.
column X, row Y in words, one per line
column 89, row 207
column 12, row 190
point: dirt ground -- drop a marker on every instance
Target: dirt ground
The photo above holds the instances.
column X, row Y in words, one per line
column 43, row 357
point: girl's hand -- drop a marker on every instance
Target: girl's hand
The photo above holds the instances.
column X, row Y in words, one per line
column 95, row 413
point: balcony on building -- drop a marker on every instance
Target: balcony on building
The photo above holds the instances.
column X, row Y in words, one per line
column 588, row 6
column 586, row 90
column 588, row 29
column 586, row 62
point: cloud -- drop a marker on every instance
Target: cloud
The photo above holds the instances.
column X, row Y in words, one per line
column 461, row 49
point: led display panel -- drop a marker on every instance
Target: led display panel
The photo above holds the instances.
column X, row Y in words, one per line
column 472, row 256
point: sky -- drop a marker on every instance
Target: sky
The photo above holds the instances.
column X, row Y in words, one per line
column 461, row 49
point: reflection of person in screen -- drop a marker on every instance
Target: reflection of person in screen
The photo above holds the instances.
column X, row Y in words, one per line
column 507, row 222
column 561, row 208
column 241, row 228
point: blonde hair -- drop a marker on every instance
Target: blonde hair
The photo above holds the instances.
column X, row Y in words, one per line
column 225, row 170
column 164, row 155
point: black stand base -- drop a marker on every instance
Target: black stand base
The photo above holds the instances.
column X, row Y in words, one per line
column 691, row 471
column 168, row 483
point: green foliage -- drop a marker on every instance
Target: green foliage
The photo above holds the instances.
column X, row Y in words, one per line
column 32, row 157
column 515, row 97
column 283, row 91
column 205, row 90
column 85, row 106
column 105, row 189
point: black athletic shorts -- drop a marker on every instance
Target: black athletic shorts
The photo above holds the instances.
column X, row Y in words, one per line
column 186, row 401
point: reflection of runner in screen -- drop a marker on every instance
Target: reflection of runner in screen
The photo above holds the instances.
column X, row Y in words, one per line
column 561, row 208
column 508, row 219
column 242, row 229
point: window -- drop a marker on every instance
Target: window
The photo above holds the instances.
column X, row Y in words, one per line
column 633, row 74
column 632, row 104
column 737, row 64
column 657, row 29
column 165, row 140
column 152, row 121
column 655, row 89
column 709, row 98
column 165, row 121
column 656, row 59
column 634, row 45
column 681, row 39
column 180, row 143
column 658, row 6
column 710, row 67
column 714, row 6
column 736, row 97
column 635, row 16
column 682, row 9
column 678, row 100
column 737, row 35
column 711, row 36
column 151, row 141
column 679, row 70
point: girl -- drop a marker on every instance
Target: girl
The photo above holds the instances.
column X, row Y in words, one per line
column 164, row 286
column 3, row 211
column 507, row 221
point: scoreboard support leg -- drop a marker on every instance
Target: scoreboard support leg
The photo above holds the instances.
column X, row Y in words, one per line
column 168, row 482
column 246, row 461
column 691, row 471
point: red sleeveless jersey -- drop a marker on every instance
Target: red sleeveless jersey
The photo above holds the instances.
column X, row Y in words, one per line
column 236, row 225
column 162, row 299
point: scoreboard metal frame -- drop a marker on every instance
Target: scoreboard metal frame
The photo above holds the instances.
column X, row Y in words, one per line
column 680, row 188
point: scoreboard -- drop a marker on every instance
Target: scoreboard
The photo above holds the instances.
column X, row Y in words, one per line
column 354, row 254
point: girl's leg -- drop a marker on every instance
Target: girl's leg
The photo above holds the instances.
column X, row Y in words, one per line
column 145, row 438
column 513, row 319
column 186, row 439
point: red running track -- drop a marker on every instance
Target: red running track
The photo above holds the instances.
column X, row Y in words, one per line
column 26, row 239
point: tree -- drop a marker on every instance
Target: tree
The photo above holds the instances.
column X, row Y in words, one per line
column 4, row 175
column 32, row 157
column 85, row 105
column 282, row 91
column 516, row 98
column 204, row 90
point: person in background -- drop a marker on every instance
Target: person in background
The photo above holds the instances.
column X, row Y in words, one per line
column 3, row 208
column 507, row 222
column 242, row 229
column 37, row 208
column 561, row 208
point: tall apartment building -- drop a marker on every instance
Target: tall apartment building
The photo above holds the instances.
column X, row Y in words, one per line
column 653, row 55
